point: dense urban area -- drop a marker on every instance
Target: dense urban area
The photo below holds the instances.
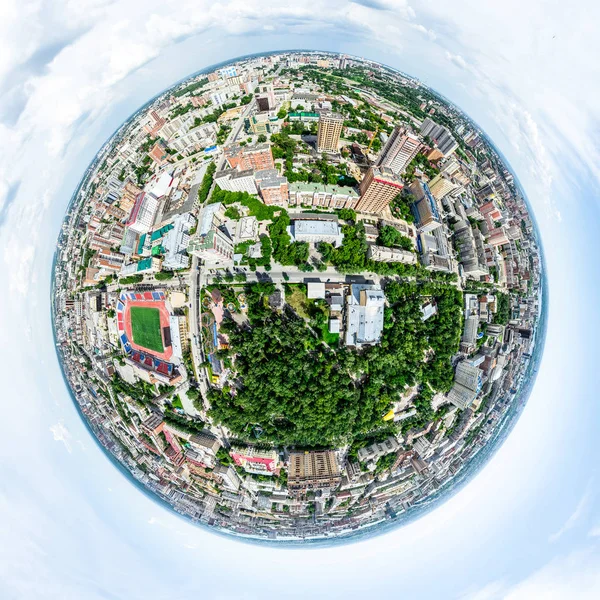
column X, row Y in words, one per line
column 297, row 295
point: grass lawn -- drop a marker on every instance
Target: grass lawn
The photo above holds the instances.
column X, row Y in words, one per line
column 331, row 339
column 176, row 402
column 298, row 300
column 145, row 328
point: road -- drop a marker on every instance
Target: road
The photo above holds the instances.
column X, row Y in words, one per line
column 293, row 274
column 195, row 288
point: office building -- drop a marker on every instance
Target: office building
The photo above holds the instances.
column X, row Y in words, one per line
column 234, row 180
column 425, row 208
column 377, row 189
column 212, row 243
column 440, row 136
column 364, row 314
column 401, row 147
column 314, row 231
column 273, row 188
column 467, row 385
column 313, row 471
column 330, row 129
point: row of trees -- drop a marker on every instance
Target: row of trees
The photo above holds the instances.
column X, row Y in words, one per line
column 207, row 182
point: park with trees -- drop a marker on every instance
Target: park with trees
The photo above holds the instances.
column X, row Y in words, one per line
column 290, row 387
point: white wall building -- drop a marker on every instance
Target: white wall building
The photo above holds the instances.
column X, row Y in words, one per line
column 315, row 231
column 364, row 314
column 175, row 243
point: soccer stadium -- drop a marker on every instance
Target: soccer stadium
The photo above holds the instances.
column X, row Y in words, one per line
column 144, row 321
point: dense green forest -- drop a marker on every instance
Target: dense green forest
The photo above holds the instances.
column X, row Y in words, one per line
column 292, row 389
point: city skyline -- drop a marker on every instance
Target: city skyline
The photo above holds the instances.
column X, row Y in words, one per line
column 109, row 241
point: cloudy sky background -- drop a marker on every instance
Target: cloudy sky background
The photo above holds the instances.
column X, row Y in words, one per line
column 528, row 526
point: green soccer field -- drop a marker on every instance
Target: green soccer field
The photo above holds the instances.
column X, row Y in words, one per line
column 145, row 328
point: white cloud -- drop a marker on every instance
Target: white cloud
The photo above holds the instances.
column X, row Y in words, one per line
column 422, row 29
column 457, row 59
column 66, row 66
column 61, row 434
column 576, row 575
column 573, row 519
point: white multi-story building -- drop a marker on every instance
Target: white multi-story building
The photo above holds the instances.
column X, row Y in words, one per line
column 234, row 180
column 175, row 243
column 212, row 243
column 383, row 254
column 143, row 213
column 364, row 314
column 401, row 147
column 318, row 194
column 316, row 230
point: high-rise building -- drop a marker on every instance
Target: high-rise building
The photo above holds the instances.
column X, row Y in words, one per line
column 143, row 213
column 442, row 186
column 428, row 126
column 330, row 129
column 313, row 470
column 265, row 98
column 377, row 189
column 401, row 147
column 130, row 194
column 235, row 180
column 445, row 142
column 212, row 243
column 272, row 186
column 440, row 135
column 467, row 385
column 425, row 208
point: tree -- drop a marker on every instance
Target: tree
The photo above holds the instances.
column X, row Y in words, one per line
column 164, row 275
column 389, row 236
column 262, row 138
column 336, row 396
column 233, row 213
column 282, row 113
column 207, row 182
column 347, row 214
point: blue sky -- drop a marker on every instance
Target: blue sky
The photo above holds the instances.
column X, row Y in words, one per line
column 528, row 526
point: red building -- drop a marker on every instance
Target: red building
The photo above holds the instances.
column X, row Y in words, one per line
column 253, row 460
column 257, row 157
